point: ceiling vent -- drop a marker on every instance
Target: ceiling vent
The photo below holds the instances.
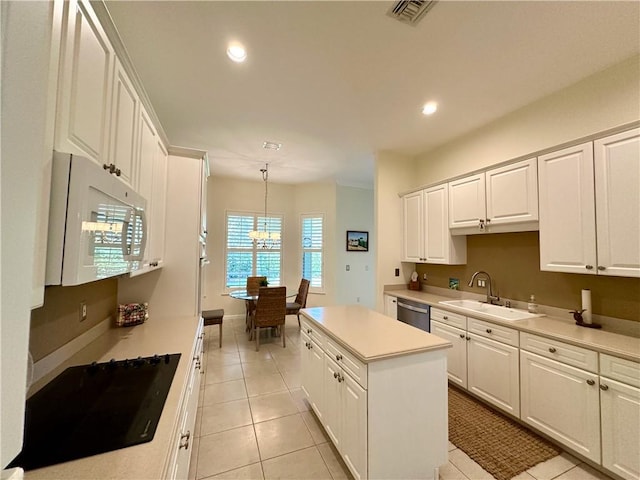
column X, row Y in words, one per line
column 410, row 11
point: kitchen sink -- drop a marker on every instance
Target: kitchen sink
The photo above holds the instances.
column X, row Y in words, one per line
column 495, row 311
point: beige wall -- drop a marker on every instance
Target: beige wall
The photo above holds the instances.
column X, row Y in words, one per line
column 513, row 261
column 605, row 100
column 57, row 322
column 393, row 173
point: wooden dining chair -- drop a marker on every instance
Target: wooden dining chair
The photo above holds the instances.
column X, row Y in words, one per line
column 270, row 311
column 293, row 308
column 253, row 286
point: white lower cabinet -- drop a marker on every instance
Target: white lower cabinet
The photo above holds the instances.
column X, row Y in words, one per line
column 484, row 358
column 391, row 306
column 561, row 401
column 620, row 416
column 183, row 436
column 312, row 359
column 457, row 355
column 353, row 426
column 492, row 373
column 345, row 409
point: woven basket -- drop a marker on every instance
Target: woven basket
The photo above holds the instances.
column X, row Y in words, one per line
column 131, row 314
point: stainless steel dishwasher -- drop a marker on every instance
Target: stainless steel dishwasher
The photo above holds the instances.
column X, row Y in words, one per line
column 415, row 314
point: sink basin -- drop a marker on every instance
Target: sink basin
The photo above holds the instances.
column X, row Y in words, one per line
column 495, row 311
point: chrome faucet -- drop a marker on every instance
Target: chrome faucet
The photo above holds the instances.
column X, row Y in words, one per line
column 491, row 298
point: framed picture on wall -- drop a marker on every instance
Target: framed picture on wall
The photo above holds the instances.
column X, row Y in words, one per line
column 357, row 241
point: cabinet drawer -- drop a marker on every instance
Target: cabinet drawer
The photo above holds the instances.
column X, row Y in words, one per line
column 491, row 330
column 348, row 362
column 562, row 352
column 625, row 371
column 313, row 332
column 448, row 318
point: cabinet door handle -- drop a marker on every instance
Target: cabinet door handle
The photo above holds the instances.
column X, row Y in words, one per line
column 488, row 330
column 340, row 379
column 468, row 338
column 335, row 374
column 309, row 331
column 552, row 349
column 589, row 267
column 591, row 382
column 604, row 387
column 445, row 317
column 462, row 335
column 481, row 224
column 184, row 440
column 338, row 357
column 601, row 268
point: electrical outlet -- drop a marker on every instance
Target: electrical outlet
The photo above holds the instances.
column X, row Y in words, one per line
column 482, row 283
column 424, row 276
column 397, row 272
column 348, row 268
column 358, row 299
column 83, row 311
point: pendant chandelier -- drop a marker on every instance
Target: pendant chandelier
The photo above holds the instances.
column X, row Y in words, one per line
column 265, row 237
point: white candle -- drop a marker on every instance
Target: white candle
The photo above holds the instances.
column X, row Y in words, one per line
column 586, row 306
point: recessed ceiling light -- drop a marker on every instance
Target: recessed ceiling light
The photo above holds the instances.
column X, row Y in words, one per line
column 430, row 108
column 236, row 52
column 271, row 145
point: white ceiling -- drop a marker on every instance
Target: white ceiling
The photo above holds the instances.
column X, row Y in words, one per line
column 336, row 81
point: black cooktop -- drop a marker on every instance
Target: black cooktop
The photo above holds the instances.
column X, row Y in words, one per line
column 96, row 408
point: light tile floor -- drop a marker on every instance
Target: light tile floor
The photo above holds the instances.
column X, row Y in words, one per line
column 254, row 423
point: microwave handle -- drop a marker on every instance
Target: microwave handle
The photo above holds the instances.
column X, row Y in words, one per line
column 143, row 240
column 126, row 224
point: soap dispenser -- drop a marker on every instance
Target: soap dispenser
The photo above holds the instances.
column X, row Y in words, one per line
column 532, row 306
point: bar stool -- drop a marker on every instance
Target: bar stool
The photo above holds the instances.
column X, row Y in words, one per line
column 214, row 317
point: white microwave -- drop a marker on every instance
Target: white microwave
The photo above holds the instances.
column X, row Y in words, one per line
column 97, row 224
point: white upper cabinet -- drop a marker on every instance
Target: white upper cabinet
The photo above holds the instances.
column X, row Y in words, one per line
column 86, row 74
column 426, row 235
column 617, row 182
column 590, row 207
column 440, row 245
column 467, row 202
column 413, row 237
column 512, row 193
column 124, row 122
column 503, row 199
column 146, row 160
column 158, row 206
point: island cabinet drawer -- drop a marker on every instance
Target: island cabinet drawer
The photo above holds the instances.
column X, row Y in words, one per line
column 560, row 351
column 350, row 364
column 313, row 332
column 494, row 331
column 448, row 318
column 625, row 371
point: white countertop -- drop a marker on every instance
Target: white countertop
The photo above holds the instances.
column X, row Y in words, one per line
column 369, row 335
column 549, row 326
column 147, row 460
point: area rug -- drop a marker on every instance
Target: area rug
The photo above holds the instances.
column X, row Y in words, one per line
column 498, row 444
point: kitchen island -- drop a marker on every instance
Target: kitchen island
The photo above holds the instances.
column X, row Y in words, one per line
column 161, row 457
column 379, row 389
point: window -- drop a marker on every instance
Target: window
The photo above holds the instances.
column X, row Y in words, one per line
column 312, row 249
column 246, row 259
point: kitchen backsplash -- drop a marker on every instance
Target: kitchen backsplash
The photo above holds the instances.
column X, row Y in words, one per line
column 58, row 320
column 513, row 261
